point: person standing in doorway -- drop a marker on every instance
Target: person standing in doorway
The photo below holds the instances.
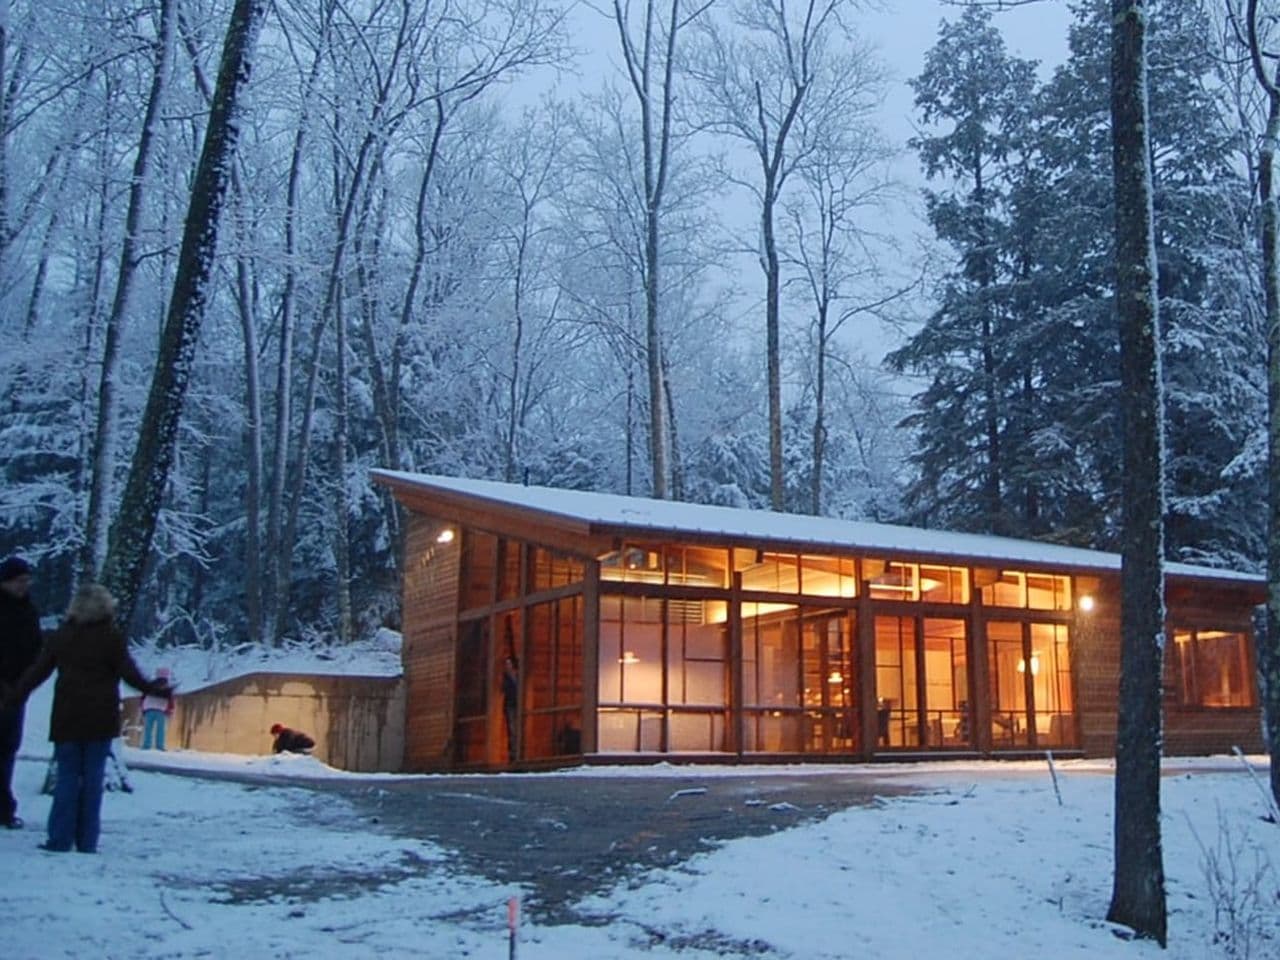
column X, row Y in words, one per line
column 156, row 712
column 91, row 656
column 19, row 646
column 511, row 702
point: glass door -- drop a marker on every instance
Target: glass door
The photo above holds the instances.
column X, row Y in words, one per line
column 922, row 682
column 1032, row 704
column 830, row 681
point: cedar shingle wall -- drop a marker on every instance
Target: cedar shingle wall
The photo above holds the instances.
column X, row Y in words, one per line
column 1186, row 732
column 430, row 618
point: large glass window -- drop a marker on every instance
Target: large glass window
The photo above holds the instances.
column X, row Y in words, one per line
column 922, row 682
column 1014, row 588
column 766, row 571
column 1051, row 684
column 1032, row 704
column 828, row 576
column 635, row 563
column 891, row 580
column 1212, row 668
column 771, row 678
column 663, row 675
column 830, row 684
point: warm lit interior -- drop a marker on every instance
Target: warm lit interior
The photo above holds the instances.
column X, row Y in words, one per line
column 666, row 681
column 1211, row 668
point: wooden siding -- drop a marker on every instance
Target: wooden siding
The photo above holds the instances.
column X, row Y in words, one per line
column 1187, row 731
column 430, row 608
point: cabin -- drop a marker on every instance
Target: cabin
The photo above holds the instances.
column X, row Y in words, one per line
column 547, row 627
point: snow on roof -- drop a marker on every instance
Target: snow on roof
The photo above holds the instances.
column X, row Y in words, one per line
column 668, row 516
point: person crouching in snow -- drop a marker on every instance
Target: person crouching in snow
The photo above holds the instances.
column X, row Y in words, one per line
column 91, row 656
column 155, row 713
column 290, row 741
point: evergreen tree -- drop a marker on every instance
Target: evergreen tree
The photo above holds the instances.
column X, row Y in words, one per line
column 975, row 98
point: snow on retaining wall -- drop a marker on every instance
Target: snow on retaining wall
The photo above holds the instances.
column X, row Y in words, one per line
column 357, row 722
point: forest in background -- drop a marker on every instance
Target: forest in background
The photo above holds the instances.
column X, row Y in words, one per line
column 642, row 282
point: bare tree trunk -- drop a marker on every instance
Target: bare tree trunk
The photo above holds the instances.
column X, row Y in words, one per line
column 656, row 106
column 130, row 540
column 46, row 248
column 4, row 126
column 341, row 507
column 1138, row 896
column 677, row 465
column 1269, row 642
column 247, row 302
column 819, row 412
column 517, row 343
column 773, row 347
column 104, row 440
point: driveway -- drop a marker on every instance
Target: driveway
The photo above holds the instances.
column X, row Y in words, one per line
column 564, row 836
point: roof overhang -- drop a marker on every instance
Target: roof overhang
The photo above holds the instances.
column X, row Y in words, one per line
column 589, row 524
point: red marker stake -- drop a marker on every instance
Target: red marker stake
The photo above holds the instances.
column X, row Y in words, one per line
column 513, row 923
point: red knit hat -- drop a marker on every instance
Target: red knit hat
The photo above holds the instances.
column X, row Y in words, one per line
column 276, row 728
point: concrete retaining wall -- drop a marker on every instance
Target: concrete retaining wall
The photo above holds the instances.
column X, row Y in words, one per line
column 356, row 722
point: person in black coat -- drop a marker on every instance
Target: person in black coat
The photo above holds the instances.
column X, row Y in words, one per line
column 91, row 657
column 19, row 646
column 289, row 741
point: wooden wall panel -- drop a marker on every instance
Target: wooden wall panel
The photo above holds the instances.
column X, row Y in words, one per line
column 430, row 607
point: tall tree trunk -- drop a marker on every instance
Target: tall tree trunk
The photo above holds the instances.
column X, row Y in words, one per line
column 1269, row 642
column 1138, row 896
column 90, row 330
column 341, row 506
column 677, row 465
column 285, row 353
column 820, row 411
column 772, row 275
column 104, row 445
column 4, row 126
column 517, row 343
column 130, row 539
column 247, row 304
column 653, row 355
column 990, row 386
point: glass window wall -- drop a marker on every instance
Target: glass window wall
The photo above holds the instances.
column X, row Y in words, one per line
column 664, row 682
column 1032, row 704
column 922, row 682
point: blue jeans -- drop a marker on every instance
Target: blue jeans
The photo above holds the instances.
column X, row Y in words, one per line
column 76, row 814
column 153, row 728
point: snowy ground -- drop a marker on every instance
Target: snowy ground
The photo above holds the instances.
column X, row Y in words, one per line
column 985, row 864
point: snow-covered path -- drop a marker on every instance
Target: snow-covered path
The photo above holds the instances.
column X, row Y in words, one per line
column 987, row 864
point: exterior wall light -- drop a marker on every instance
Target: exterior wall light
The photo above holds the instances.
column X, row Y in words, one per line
column 445, row 535
column 1086, row 603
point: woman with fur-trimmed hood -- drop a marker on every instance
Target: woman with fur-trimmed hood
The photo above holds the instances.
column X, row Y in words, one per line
column 91, row 657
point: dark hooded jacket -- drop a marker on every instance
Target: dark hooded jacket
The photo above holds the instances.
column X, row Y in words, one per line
column 91, row 658
column 292, row 741
column 19, row 638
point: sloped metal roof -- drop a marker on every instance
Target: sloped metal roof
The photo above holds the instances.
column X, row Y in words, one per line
column 609, row 512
